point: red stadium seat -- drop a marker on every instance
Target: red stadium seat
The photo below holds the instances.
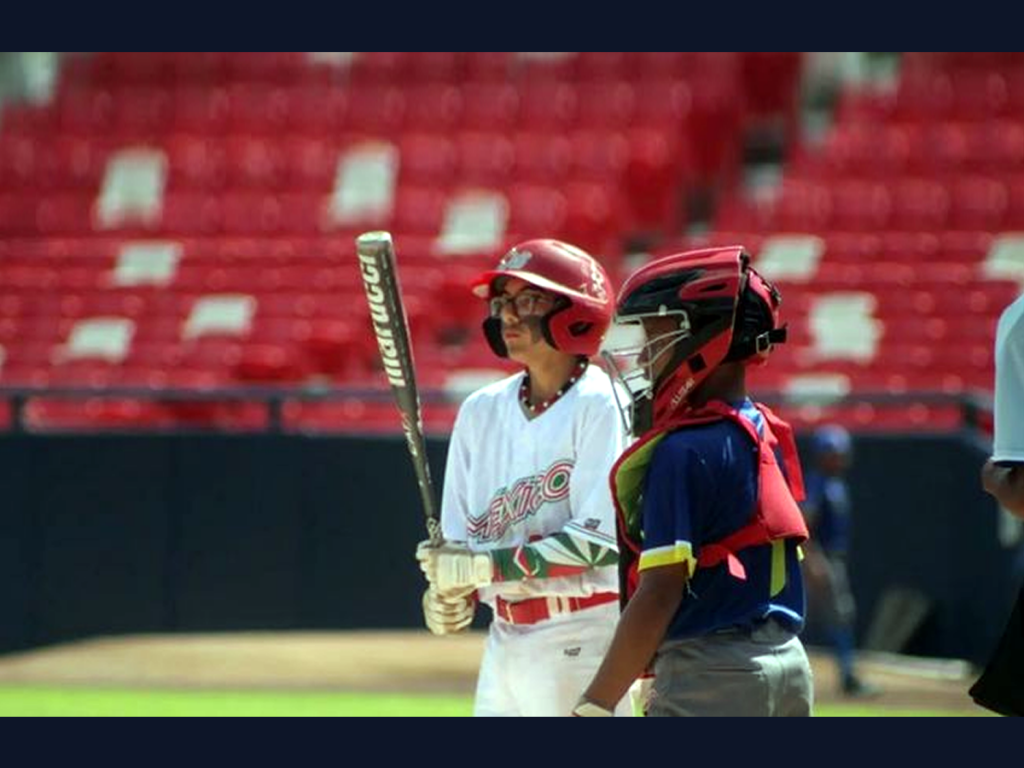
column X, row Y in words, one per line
column 607, row 105
column 594, row 214
column 201, row 111
column 377, row 112
column 435, row 107
column 255, row 164
column 427, row 159
column 259, row 110
column 978, row 203
column 74, row 164
column 86, row 112
column 862, row 149
column 19, row 163
column 545, row 67
column 542, row 158
column 665, row 104
column 419, row 210
column 436, row 66
column 192, row 215
column 657, row 177
column 272, row 67
column 803, row 207
column 599, row 156
column 27, row 120
column 311, row 164
column 318, row 110
column 771, row 82
column 485, row 159
column 199, row 68
column 654, row 65
column 996, row 147
column 601, row 66
column 490, row 107
column 143, row 114
column 537, row 210
column 547, row 107
column 491, row 67
column 924, row 98
column 860, row 206
column 979, row 96
column 378, row 67
column 919, row 204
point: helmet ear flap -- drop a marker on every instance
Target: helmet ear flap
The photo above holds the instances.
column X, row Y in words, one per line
column 561, row 324
column 755, row 328
column 492, row 332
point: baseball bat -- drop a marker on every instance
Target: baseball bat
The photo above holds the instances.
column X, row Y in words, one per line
column 376, row 252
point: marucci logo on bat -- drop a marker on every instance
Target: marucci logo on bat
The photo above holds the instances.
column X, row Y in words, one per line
column 382, row 321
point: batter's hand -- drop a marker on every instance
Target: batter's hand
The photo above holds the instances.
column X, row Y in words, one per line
column 452, row 567
column 448, row 615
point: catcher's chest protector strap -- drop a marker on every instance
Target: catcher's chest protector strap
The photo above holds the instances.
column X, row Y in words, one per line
column 775, row 517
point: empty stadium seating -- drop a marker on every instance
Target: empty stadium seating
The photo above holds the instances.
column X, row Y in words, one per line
column 908, row 193
column 155, row 183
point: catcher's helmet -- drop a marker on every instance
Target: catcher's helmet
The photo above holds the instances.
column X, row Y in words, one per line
column 575, row 326
column 726, row 311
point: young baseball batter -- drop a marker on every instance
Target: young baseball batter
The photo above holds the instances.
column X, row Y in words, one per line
column 527, row 512
column 1001, row 687
column 709, row 524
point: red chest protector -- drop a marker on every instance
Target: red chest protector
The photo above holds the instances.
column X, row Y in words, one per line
column 775, row 516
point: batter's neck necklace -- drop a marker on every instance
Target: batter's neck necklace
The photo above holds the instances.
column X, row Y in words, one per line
column 537, row 409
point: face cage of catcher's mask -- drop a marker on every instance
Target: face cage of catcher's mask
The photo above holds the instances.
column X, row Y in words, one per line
column 631, row 358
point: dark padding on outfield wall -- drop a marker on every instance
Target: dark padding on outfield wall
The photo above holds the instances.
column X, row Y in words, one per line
column 136, row 534
column 922, row 522
column 18, row 546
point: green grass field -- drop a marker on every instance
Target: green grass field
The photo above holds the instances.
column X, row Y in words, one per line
column 82, row 702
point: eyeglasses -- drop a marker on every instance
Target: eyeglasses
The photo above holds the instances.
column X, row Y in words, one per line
column 524, row 304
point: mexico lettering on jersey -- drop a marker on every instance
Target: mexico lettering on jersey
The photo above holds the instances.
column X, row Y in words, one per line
column 525, row 498
column 534, row 493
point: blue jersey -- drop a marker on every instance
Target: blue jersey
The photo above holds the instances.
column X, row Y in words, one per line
column 701, row 487
column 827, row 509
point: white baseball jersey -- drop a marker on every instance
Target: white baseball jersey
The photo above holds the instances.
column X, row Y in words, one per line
column 540, row 484
column 1009, row 405
column 511, row 480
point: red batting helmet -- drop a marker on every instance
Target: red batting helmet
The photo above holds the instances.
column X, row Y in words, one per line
column 727, row 313
column 576, row 327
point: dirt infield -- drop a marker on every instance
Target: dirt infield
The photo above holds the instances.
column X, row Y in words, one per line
column 409, row 662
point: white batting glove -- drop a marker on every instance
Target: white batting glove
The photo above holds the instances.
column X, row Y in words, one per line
column 448, row 616
column 452, row 568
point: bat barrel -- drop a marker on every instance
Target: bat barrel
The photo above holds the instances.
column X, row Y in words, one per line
column 379, row 270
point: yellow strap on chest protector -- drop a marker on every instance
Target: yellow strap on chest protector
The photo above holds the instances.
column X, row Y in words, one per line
column 629, row 484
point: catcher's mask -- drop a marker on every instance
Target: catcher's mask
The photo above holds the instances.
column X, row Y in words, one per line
column 717, row 309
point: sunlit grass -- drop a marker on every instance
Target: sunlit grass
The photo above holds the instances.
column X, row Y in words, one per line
column 88, row 702
column 16, row 701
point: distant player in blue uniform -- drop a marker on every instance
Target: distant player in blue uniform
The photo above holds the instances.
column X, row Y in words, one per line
column 827, row 510
column 709, row 524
